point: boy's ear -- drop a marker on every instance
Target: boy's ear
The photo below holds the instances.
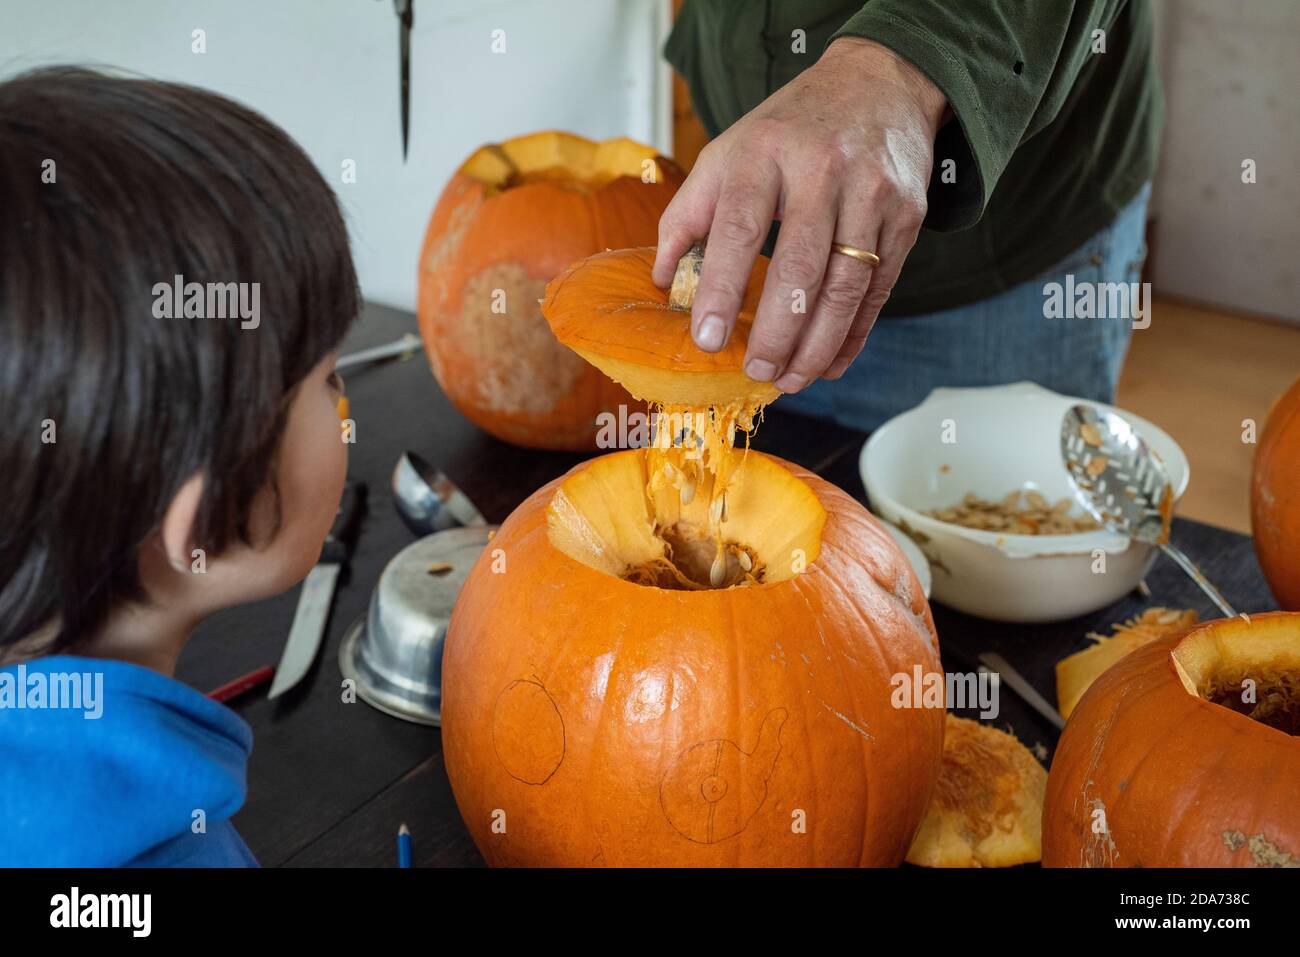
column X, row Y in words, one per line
column 178, row 524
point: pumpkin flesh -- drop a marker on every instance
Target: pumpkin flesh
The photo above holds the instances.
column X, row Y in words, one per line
column 987, row 808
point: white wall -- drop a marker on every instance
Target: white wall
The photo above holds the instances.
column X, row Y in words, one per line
column 327, row 71
column 1232, row 87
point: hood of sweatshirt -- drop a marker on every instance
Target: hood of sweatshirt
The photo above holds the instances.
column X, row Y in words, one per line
column 105, row 763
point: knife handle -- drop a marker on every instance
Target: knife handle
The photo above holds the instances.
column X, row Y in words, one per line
column 347, row 522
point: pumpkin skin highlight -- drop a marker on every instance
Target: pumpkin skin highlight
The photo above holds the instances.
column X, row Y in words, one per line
column 1275, row 499
column 627, row 725
column 1180, row 781
column 512, row 217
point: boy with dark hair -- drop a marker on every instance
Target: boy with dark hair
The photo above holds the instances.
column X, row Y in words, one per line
column 174, row 282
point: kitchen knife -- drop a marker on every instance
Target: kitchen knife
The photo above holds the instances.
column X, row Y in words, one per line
column 998, row 665
column 405, row 19
column 318, row 592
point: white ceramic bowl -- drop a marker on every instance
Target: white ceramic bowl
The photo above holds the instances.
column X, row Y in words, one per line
column 1005, row 438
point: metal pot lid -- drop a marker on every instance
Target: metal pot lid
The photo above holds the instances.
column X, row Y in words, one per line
column 395, row 654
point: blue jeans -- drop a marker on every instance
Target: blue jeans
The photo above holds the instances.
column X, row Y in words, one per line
column 995, row 341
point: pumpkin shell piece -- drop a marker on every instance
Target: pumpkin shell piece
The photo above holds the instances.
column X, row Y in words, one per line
column 988, row 805
column 1074, row 674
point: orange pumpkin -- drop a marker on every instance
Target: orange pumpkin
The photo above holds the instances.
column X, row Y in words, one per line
column 1172, row 760
column 1275, row 499
column 589, row 719
column 686, row 654
column 513, row 216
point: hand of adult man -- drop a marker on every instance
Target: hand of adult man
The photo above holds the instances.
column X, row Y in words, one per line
column 841, row 154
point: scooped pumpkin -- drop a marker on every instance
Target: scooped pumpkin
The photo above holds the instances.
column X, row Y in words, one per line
column 987, row 808
column 1185, row 753
column 515, row 214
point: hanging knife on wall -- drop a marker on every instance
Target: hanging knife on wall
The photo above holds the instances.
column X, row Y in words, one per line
column 405, row 19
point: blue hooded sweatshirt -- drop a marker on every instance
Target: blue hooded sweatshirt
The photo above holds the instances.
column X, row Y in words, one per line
column 105, row 764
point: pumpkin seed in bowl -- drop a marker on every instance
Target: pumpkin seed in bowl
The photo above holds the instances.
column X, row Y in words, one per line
column 1022, row 512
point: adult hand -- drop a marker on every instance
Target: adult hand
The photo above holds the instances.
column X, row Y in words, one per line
column 841, row 154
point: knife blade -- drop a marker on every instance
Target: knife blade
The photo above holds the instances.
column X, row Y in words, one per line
column 998, row 665
column 406, row 19
column 312, row 614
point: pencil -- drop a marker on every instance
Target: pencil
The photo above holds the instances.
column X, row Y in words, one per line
column 403, row 846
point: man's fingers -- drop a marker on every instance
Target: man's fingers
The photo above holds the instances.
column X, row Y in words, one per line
column 859, row 329
column 687, row 219
column 841, row 294
column 896, row 241
column 741, row 221
column 793, row 280
column 842, row 291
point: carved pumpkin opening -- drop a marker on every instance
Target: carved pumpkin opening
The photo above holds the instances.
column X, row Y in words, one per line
column 603, row 517
column 693, row 512
column 1254, row 672
column 558, row 159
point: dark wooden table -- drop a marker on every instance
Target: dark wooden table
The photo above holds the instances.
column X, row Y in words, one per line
column 329, row 782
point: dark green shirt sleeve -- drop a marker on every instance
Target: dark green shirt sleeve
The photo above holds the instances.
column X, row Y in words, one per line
column 1006, row 66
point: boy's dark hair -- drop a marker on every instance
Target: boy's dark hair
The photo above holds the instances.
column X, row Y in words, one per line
column 109, row 186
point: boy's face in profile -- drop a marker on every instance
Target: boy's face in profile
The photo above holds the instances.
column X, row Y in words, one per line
column 312, row 464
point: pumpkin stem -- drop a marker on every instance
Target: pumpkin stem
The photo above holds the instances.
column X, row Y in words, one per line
column 687, row 279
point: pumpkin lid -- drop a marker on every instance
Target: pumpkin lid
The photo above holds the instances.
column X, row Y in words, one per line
column 608, row 309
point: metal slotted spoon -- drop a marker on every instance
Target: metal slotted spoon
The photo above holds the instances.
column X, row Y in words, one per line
column 1124, row 485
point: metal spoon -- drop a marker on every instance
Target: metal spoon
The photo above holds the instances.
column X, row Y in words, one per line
column 427, row 500
column 1124, row 485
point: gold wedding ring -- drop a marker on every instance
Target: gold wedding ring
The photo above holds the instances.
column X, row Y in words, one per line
column 862, row 255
